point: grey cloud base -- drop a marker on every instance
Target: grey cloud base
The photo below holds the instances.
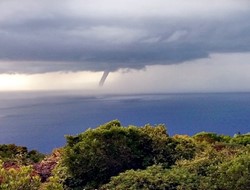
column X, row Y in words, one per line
column 47, row 36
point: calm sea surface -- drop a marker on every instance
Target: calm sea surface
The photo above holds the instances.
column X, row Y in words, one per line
column 40, row 122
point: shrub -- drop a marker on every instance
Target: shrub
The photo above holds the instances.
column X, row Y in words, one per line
column 18, row 178
column 235, row 173
column 94, row 156
column 241, row 139
column 207, row 137
column 153, row 178
column 20, row 154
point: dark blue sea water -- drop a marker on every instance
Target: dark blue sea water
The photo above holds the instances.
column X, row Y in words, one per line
column 41, row 121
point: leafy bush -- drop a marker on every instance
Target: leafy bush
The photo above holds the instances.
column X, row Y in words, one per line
column 241, row 139
column 11, row 152
column 154, row 177
column 208, row 137
column 54, row 183
column 116, row 157
column 235, row 174
column 94, row 156
column 57, row 175
column 210, row 170
column 185, row 147
column 21, row 178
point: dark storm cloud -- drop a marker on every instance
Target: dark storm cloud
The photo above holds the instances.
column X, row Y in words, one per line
column 44, row 36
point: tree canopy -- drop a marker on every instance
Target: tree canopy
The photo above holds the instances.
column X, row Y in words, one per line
column 112, row 156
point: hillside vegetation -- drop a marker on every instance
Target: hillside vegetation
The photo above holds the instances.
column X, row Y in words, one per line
column 115, row 157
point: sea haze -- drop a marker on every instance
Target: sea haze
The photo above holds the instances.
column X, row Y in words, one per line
column 41, row 121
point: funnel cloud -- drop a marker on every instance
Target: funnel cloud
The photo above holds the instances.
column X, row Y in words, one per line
column 104, row 77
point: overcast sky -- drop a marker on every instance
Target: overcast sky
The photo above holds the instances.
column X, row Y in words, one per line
column 147, row 46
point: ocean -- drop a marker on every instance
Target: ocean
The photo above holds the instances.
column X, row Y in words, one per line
column 40, row 121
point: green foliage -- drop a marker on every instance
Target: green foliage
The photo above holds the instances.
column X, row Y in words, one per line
column 235, row 174
column 18, row 178
column 95, row 155
column 11, row 150
column 161, row 146
column 208, row 137
column 153, row 178
column 212, row 168
column 59, row 175
column 225, row 138
column 34, row 156
column 20, row 154
column 116, row 157
column 108, row 125
column 185, row 147
column 54, row 183
column 241, row 139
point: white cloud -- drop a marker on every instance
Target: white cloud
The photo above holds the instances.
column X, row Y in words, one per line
column 117, row 9
column 157, row 8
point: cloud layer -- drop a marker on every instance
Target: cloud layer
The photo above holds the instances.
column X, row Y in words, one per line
column 97, row 35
